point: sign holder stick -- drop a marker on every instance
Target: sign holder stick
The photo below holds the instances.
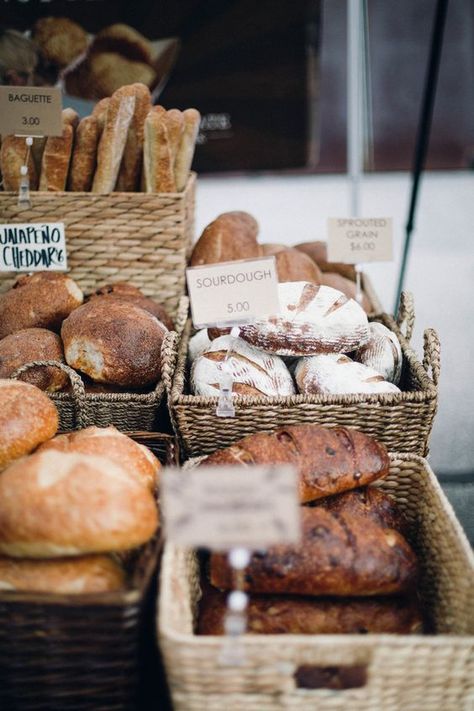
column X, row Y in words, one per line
column 235, row 624
column 24, row 198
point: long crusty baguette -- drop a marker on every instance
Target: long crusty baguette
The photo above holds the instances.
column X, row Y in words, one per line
column 158, row 167
column 174, row 120
column 100, row 112
column 131, row 166
column 57, row 155
column 159, row 111
column 84, row 157
column 12, row 156
column 184, row 157
column 113, row 139
column 328, row 460
column 71, row 117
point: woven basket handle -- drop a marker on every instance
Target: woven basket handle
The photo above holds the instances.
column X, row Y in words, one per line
column 406, row 314
column 169, row 354
column 78, row 390
column 432, row 354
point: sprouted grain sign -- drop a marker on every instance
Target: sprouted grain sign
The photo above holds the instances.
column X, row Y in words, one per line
column 33, row 247
column 355, row 240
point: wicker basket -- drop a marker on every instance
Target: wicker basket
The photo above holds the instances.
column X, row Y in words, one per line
column 81, row 652
column 127, row 411
column 403, row 421
column 137, row 237
column 396, row 673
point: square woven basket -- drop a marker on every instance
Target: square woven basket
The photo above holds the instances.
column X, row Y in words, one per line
column 397, row 672
column 82, row 652
column 403, row 421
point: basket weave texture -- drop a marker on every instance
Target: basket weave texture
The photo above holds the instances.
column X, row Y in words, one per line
column 414, row 673
column 141, row 238
column 403, row 421
column 80, row 652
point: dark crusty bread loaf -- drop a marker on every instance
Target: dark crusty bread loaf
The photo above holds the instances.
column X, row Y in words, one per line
column 328, row 460
column 370, row 502
column 285, row 614
column 232, row 235
column 122, row 291
column 340, row 554
column 34, row 344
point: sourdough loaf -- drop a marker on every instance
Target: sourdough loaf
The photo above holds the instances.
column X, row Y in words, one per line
column 318, row 251
column 292, row 265
column 382, row 352
column 336, row 374
column 30, row 344
column 231, row 236
column 370, row 502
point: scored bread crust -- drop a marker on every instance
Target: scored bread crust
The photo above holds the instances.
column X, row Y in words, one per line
column 336, row 374
column 84, row 156
column 137, row 299
column 347, row 286
column 185, row 151
column 382, row 352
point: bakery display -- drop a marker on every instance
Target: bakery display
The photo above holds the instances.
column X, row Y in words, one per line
column 336, row 374
column 31, row 344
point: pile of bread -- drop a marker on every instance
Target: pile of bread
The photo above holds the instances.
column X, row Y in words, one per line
column 354, row 570
column 72, row 507
column 320, row 342
column 114, row 337
column 126, row 145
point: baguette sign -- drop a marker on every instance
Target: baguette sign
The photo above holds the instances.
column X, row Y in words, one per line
column 354, row 240
column 230, row 507
column 233, row 293
column 33, row 247
column 30, row 111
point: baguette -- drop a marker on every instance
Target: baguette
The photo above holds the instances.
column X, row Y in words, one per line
column 70, row 117
column 84, row 155
column 174, row 120
column 112, row 142
column 184, row 157
column 159, row 177
column 100, row 112
column 13, row 153
column 339, row 554
column 131, row 166
column 328, row 460
column 57, row 155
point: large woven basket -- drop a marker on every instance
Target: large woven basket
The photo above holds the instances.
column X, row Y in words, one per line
column 136, row 237
column 396, row 673
column 127, row 411
column 82, row 652
column 403, row 421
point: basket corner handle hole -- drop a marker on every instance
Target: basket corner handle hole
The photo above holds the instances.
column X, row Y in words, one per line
column 336, row 678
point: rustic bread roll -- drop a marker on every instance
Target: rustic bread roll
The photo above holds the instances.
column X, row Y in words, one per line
column 284, row 614
column 267, row 249
column 253, row 372
column 382, row 352
column 185, row 152
column 339, row 555
column 292, row 265
column 59, row 39
column 312, row 319
column 27, row 418
column 114, row 342
column 198, row 344
column 13, row 153
column 55, row 504
column 157, row 156
column 131, row 166
column 318, row 251
column 85, row 574
column 370, row 502
column 125, row 40
column 34, row 344
column 328, row 460
column 57, row 155
column 84, row 155
column 348, row 287
column 108, row 72
column 122, row 291
column 108, row 442
column 40, row 300
column 336, row 374
column 232, row 235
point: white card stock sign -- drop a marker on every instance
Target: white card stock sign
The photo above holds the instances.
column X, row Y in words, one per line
column 33, row 247
column 354, row 240
column 230, row 507
column 233, row 293
column 30, row 111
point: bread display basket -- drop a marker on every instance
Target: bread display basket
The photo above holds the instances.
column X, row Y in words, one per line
column 390, row 672
column 85, row 651
column 403, row 421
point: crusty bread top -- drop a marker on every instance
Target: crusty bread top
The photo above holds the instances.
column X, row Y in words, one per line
column 131, row 166
column 31, row 344
column 292, row 265
column 232, row 235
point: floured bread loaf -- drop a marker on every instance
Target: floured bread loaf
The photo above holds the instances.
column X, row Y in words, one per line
column 336, row 374
column 382, row 352
column 253, row 372
column 313, row 319
column 198, row 344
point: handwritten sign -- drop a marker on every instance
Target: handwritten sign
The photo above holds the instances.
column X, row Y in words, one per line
column 228, row 507
column 233, row 293
column 354, row 240
column 33, row 247
column 30, row 111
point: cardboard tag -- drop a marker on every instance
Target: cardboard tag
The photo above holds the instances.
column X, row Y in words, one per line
column 33, row 247
column 30, row 111
column 233, row 293
column 354, row 240
column 231, row 507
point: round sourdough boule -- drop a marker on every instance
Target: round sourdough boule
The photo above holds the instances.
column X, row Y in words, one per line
column 34, row 344
column 313, row 319
column 55, row 504
column 59, row 39
column 85, row 574
column 132, row 295
column 108, row 442
column 292, row 265
column 231, row 236
column 41, row 300
column 382, row 352
column 114, row 342
column 253, row 371
column 27, row 418
column 348, row 287
column 318, row 251
column 336, row 374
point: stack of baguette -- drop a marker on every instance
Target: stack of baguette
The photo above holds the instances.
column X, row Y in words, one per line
column 71, row 507
column 126, row 145
column 353, row 571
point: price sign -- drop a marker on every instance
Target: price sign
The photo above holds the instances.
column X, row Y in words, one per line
column 233, row 293
column 33, row 247
column 231, row 507
column 354, row 240
column 30, row 111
